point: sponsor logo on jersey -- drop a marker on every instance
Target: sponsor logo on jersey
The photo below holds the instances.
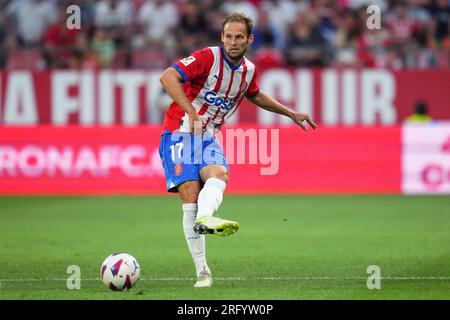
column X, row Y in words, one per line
column 187, row 61
column 213, row 99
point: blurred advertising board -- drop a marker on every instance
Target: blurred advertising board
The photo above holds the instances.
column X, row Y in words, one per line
column 334, row 97
column 46, row 160
column 426, row 158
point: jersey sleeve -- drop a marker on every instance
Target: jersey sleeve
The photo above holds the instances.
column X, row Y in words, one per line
column 197, row 65
column 253, row 88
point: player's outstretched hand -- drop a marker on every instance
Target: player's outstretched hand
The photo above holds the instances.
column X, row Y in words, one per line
column 302, row 118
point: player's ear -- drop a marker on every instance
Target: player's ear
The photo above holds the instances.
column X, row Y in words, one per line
column 251, row 38
column 222, row 37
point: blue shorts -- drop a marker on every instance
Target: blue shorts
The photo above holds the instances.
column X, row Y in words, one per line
column 183, row 155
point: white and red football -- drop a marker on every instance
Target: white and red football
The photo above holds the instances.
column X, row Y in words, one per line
column 120, row 271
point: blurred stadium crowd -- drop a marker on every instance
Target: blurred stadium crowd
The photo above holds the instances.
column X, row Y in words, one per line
column 414, row 34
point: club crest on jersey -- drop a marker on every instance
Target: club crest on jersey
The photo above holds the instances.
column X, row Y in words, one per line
column 178, row 169
column 187, row 61
column 213, row 99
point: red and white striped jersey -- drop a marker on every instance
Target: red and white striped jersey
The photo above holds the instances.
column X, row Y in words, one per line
column 214, row 86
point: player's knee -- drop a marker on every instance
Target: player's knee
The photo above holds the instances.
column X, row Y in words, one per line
column 189, row 195
column 218, row 172
column 223, row 175
column 189, row 192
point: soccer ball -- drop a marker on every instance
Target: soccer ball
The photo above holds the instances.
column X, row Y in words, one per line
column 120, row 271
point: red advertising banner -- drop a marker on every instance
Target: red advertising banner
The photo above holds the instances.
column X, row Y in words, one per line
column 131, row 97
column 47, row 160
column 75, row 160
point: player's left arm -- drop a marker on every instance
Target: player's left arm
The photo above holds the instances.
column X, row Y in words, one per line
column 266, row 102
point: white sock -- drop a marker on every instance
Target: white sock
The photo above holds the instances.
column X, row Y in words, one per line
column 210, row 197
column 196, row 243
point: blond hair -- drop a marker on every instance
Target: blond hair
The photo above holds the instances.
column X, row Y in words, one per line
column 242, row 18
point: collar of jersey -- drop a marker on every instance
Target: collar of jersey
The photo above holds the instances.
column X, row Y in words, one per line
column 232, row 66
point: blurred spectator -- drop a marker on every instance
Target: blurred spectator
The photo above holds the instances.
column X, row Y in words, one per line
column 305, row 46
column 390, row 59
column 265, row 52
column 158, row 19
column 87, row 8
column 243, row 6
column 267, row 58
column 151, row 33
column 30, row 29
column 376, row 46
column 103, row 46
column 264, row 33
column 191, row 35
column 192, row 19
column 214, row 18
column 417, row 10
column 440, row 10
column 402, row 26
column 420, row 113
column 113, row 13
column 58, row 41
column 117, row 17
column 280, row 14
column 325, row 11
column 348, row 40
column 82, row 56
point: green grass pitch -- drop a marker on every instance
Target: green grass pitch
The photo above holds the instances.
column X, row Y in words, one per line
column 289, row 247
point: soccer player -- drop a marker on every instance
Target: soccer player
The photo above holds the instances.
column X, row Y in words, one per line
column 206, row 89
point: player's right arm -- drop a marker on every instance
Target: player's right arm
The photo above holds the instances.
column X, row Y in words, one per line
column 171, row 81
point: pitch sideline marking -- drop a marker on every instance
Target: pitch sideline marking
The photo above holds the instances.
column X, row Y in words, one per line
column 243, row 278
